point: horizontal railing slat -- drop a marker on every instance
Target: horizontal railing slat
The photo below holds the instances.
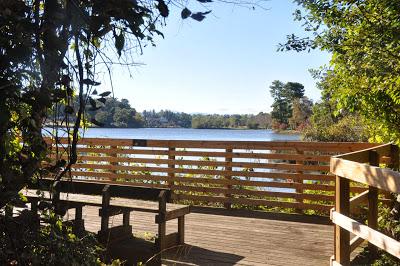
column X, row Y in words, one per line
column 281, row 166
column 385, row 179
column 228, row 172
column 278, row 175
column 213, row 154
column 212, row 181
column 249, row 192
column 254, row 145
column 253, row 202
column 380, row 240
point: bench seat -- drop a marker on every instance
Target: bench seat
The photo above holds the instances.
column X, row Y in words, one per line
column 132, row 204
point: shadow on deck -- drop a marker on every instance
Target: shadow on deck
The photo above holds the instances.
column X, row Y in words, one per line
column 235, row 237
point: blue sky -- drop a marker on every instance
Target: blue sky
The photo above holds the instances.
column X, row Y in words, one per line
column 223, row 64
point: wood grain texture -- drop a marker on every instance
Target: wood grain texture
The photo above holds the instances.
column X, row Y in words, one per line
column 241, row 170
column 220, row 238
column 385, row 179
column 261, row 145
column 380, row 240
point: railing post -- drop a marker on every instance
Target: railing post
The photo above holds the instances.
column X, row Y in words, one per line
column 394, row 156
column 342, row 236
column 171, row 175
column 299, row 191
column 373, row 203
column 113, row 155
column 228, row 167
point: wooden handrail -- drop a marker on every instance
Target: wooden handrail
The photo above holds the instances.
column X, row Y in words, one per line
column 255, row 145
column 375, row 237
column 385, row 179
column 363, row 167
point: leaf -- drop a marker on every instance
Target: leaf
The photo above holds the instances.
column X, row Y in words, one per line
column 185, row 13
column 94, row 109
column 162, row 8
column 103, row 100
column 70, row 91
column 96, row 42
column 64, row 65
column 58, row 95
column 199, row 16
column 65, row 80
column 92, row 102
column 159, row 33
column 119, row 43
column 97, row 123
column 105, row 94
column 94, row 92
column 69, row 110
column 90, row 82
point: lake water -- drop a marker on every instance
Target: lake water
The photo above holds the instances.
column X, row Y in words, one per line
column 188, row 134
column 196, row 134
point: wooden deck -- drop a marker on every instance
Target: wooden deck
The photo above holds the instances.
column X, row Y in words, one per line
column 223, row 237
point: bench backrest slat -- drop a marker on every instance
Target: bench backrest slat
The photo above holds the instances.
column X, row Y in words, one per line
column 94, row 188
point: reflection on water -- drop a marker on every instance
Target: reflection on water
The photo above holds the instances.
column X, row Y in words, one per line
column 187, row 134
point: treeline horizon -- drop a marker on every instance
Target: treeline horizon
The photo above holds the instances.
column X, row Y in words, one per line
column 120, row 114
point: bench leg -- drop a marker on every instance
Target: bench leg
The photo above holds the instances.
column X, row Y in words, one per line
column 103, row 233
column 34, row 205
column 181, row 229
column 161, row 235
column 9, row 210
column 79, row 223
column 126, row 217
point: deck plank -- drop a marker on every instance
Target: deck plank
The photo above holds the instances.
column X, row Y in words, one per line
column 216, row 237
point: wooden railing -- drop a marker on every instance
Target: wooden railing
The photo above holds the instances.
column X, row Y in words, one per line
column 363, row 167
column 281, row 174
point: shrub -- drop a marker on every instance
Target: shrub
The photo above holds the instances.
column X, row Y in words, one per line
column 23, row 241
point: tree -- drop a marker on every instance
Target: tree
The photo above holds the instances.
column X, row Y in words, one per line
column 115, row 113
column 284, row 95
column 364, row 78
column 104, row 117
column 48, row 48
column 363, row 39
column 292, row 91
column 301, row 112
column 49, row 54
column 123, row 117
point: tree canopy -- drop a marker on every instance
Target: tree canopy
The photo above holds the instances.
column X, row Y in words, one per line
column 50, row 54
column 290, row 107
column 363, row 37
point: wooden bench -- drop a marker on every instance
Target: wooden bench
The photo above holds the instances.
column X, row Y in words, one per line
column 113, row 200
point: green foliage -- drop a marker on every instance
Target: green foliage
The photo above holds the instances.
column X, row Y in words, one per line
column 115, row 113
column 363, row 39
column 286, row 97
column 328, row 123
column 24, row 242
column 301, row 112
column 49, row 53
column 389, row 224
column 261, row 120
column 350, row 128
column 166, row 118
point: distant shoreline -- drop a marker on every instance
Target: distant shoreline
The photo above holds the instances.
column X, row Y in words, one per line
column 282, row 132
column 224, row 128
